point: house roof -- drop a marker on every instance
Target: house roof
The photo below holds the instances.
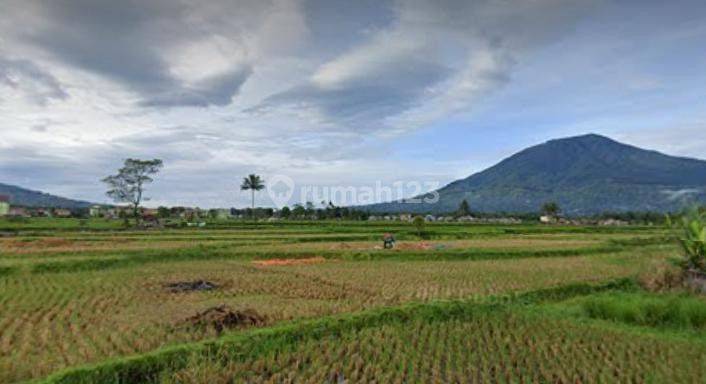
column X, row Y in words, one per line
column 4, row 199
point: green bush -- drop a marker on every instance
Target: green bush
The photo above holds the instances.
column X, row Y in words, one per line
column 670, row 311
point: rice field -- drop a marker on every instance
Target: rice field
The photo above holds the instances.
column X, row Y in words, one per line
column 502, row 346
column 83, row 295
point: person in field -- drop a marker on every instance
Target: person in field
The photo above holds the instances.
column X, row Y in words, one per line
column 388, row 240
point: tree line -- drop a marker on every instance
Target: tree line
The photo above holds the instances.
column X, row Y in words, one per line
column 128, row 186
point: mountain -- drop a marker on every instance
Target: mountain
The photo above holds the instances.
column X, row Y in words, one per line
column 28, row 198
column 585, row 175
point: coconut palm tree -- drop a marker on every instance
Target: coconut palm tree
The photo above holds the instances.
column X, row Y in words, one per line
column 252, row 183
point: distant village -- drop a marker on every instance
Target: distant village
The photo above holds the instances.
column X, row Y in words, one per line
column 8, row 210
column 195, row 216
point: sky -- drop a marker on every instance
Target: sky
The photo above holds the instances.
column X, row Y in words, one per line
column 333, row 92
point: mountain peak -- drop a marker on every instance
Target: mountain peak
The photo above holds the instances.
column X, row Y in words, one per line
column 585, row 174
column 585, row 137
column 589, row 139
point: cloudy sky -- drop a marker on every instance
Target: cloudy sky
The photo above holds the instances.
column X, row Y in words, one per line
column 333, row 92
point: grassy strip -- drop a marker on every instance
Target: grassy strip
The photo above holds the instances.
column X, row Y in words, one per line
column 81, row 265
column 200, row 252
column 215, row 243
column 7, row 270
column 148, row 367
column 203, row 252
column 642, row 241
column 470, row 254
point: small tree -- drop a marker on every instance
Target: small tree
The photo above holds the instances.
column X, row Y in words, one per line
column 310, row 209
column 551, row 209
column 163, row 212
column 419, row 224
column 285, row 212
column 298, row 211
column 252, row 183
column 464, row 209
column 128, row 186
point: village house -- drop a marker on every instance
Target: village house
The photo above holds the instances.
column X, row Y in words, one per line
column 154, row 212
column 546, row 219
column 613, row 222
column 41, row 212
column 4, row 205
column 117, row 212
column 96, row 211
column 61, row 212
column 111, row 213
column 192, row 214
column 223, row 214
column 19, row 212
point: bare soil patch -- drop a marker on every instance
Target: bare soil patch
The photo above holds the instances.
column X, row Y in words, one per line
column 277, row 262
column 191, row 286
column 40, row 243
column 420, row 246
column 223, row 317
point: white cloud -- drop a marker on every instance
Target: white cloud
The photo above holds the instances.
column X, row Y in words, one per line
column 434, row 60
column 220, row 88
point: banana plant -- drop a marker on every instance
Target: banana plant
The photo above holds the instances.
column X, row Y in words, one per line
column 690, row 232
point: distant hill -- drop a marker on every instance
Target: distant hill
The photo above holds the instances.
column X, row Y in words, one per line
column 29, row 198
column 585, row 175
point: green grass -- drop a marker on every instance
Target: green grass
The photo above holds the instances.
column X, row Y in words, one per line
column 666, row 310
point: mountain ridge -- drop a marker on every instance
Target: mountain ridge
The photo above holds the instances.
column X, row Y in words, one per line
column 587, row 174
column 20, row 196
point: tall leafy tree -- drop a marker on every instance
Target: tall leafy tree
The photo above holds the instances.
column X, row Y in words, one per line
column 128, row 185
column 464, row 209
column 252, row 183
column 419, row 224
column 163, row 212
column 298, row 211
column 551, row 209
